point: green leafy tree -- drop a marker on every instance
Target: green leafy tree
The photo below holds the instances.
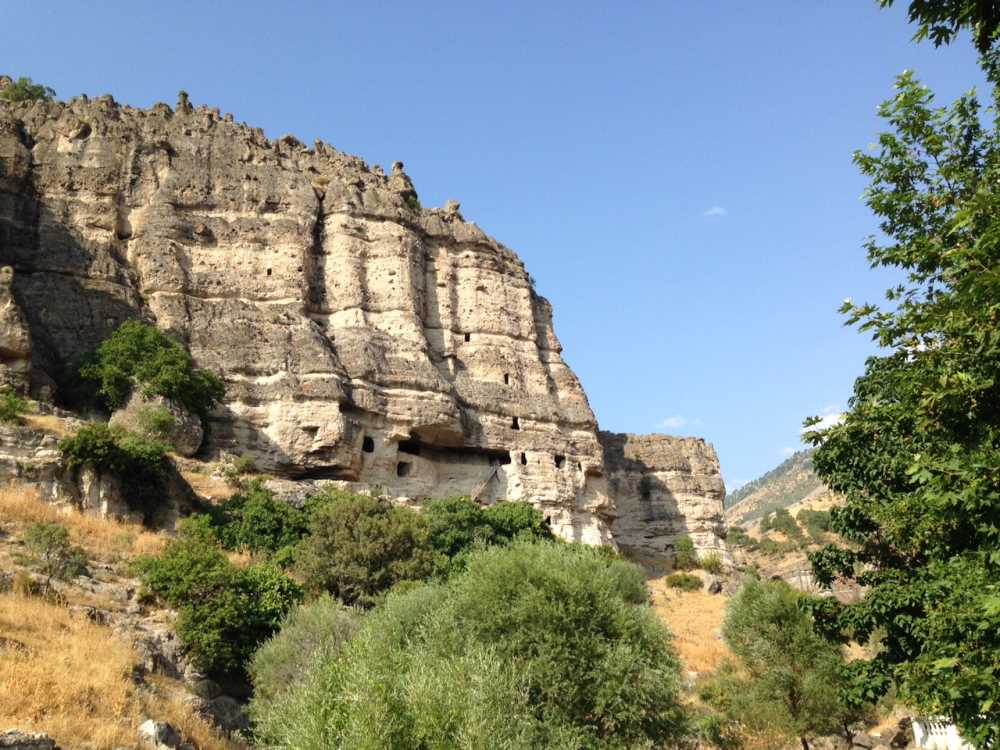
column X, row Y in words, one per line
column 359, row 546
column 942, row 20
column 49, row 546
column 224, row 613
column 532, row 645
column 917, row 456
column 139, row 354
column 254, row 519
column 786, row 680
column 24, row 90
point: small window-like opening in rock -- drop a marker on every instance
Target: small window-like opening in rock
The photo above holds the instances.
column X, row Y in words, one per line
column 560, row 460
column 368, row 445
column 515, row 424
column 311, row 430
column 268, row 271
column 410, row 446
column 524, row 460
column 403, row 468
column 468, row 337
column 506, row 378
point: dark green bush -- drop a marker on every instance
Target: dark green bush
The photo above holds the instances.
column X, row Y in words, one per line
column 24, row 90
column 519, row 520
column 50, row 549
column 817, row 522
column 532, row 645
column 740, row 538
column 309, row 633
column 12, row 405
column 685, row 557
column 253, row 519
column 359, row 546
column 225, row 612
column 781, row 520
column 684, row 582
column 139, row 354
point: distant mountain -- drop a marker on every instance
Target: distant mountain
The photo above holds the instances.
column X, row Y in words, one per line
column 792, row 481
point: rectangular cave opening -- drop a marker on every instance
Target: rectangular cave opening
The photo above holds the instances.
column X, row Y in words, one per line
column 560, row 460
column 506, row 378
column 468, row 337
column 268, row 271
column 515, row 424
column 368, row 444
column 403, row 469
column 524, row 460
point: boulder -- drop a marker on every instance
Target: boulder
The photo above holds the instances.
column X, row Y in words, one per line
column 140, row 415
column 158, row 735
column 15, row 739
column 228, row 714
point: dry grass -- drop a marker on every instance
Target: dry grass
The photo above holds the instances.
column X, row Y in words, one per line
column 48, row 423
column 694, row 617
column 54, row 683
column 101, row 538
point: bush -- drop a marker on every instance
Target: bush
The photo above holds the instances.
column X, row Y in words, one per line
column 685, row 557
column 740, row 538
column 225, row 612
column 781, row 520
column 50, row 549
column 360, row 546
column 138, row 462
column 684, row 582
column 234, row 472
column 253, row 519
column 817, row 522
column 711, row 563
column 457, row 525
column 141, row 354
column 24, row 90
column 309, row 633
column 12, row 405
column 533, row 645
column 156, row 422
column 788, row 677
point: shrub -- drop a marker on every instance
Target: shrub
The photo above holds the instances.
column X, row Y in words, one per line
column 50, row 549
column 685, row 557
column 234, row 472
column 740, row 538
column 684, row 582
column 308, row 633
column 225, row 612
column 24, row 89
column 138, row 462
column 817, row 522
column 359, row 546
column 533, row 645
column 788, row 677
column 253, row 519
column 781, row 520
column 711, row 563
column 517, row 520
column 156, row 422
column 141, row 354
column 12, row 405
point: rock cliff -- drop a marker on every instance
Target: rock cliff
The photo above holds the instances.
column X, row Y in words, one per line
column 362, row 338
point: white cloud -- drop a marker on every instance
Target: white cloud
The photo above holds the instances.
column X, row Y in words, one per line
column 787, row 451
column 830, row 415
column 675, row 422
column 715, row 212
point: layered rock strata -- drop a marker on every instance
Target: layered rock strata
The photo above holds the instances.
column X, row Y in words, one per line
column 361, row 337
column 664, row 488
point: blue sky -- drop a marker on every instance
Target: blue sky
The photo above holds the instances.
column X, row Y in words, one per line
column 676, row 175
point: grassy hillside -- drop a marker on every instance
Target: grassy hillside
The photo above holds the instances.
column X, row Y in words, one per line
column 792, row 481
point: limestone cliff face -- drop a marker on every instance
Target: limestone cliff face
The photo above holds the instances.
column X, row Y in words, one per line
column 361, row 337
column 664, row 487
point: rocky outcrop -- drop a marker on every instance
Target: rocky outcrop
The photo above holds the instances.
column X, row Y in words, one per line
column 362, row 338
column 181, row 429
column 15, row 339
column 15, row 739
column 664, row 488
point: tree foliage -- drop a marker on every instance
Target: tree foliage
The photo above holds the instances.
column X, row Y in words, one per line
column 24, row 89
column 12, row 405
column 49, row 546
column 942, row 20
column 225, row 613
column 918, row 454
column 532, row 645
column 139, row 354
column 786, row 679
